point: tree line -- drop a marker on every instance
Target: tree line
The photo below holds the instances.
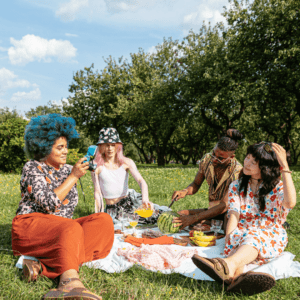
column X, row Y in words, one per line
column 177, row 102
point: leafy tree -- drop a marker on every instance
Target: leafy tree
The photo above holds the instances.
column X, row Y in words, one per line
column 140, row 99
column 131, row 152
column 155, row 106
column 95, row 97
column 12, row 156
column 51, row 108
column 213, row 81
column 266, row 46
column 6, row 114
column 192, row 140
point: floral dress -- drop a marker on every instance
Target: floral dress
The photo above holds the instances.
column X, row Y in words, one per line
column 262, row 230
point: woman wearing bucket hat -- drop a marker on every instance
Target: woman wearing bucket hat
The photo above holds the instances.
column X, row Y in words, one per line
column 111, row 176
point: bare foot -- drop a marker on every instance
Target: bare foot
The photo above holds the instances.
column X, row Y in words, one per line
column 71, row 284
column 231, row 267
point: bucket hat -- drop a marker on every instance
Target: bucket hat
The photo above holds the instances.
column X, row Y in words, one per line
column 108, row 135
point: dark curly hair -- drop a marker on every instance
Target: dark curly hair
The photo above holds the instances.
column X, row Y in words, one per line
column 42, row 132
column 269, row 167
column 229, row 142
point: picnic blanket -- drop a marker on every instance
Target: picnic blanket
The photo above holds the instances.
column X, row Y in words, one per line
column 283, row 266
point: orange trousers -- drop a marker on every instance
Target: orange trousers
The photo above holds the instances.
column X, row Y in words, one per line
column 62, row 244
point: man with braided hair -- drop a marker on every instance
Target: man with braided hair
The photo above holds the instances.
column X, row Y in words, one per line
column 219, row 168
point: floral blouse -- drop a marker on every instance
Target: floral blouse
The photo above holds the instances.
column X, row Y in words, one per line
column 38, row 182
column 263, row 230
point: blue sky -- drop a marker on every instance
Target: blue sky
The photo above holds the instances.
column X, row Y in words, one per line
column 44, row 42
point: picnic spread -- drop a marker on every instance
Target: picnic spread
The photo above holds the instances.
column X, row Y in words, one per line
column 173, row 253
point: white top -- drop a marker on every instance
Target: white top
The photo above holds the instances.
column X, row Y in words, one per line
column 113, row 183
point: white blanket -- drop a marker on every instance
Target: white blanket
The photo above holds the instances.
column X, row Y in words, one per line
column 280, row 267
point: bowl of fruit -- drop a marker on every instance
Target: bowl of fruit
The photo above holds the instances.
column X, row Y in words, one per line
column 144, row 211
column 199, row 238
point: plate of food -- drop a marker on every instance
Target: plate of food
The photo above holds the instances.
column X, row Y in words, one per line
column 201, row 227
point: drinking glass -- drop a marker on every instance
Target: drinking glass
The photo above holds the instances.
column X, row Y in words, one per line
column 133, row 220
column 113, row 213
column 216, row 226
column 121, row 217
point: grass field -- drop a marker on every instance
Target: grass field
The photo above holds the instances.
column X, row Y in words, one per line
column 136, row 283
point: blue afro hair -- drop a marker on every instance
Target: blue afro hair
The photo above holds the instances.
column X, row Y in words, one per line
column 42, row 132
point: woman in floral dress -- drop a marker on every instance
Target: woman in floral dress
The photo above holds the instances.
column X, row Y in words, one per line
column 259, row 203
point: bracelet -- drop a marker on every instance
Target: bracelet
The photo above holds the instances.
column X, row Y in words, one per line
column 186, row 190
column 286, row 171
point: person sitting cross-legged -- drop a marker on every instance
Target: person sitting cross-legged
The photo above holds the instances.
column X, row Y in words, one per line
column 259, row 203
column 219, row 168
column 43, row 227
column 111, row 178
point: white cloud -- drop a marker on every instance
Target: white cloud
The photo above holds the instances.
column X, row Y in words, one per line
column 207, row 11
column 118, row 12
column 176, row 15
column 68, row 11
column 31, row 48
column 71, row 34
column 8, row 80
column 33, row 95
column 115, row 6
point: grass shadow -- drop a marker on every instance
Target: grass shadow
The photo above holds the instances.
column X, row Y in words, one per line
column 83, row 211
column 5, row 236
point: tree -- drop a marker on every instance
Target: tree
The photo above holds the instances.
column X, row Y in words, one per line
column 12, row 156
column 139, row 99
column 40, row 110
column 192, row 140
column 155, row 106
column 265, row 41
column 213, row 81
column 6, row 114
column 95, row 98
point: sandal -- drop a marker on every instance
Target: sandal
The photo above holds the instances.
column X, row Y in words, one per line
column 252, row 283
column 75, row 293
column 31, row 270
column 216, row 268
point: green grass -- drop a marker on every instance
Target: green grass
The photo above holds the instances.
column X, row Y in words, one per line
column 135, row 283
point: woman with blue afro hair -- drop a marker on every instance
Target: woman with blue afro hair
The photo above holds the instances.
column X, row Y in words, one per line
column 43, row 227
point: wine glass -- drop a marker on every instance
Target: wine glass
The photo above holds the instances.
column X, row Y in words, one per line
column 133, row 220
column 121, row 217
column 216, row 226
column 113, row 213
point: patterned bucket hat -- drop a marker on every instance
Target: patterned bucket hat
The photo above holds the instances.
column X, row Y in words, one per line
column 108, row 135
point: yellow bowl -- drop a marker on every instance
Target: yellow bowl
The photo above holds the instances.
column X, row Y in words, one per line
column 144, row 213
